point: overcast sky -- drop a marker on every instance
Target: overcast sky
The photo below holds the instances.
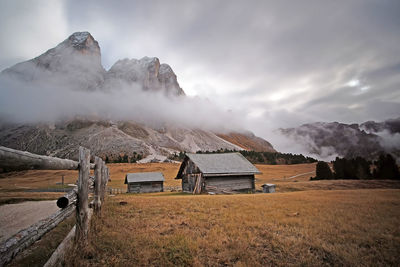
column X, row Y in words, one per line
column 280, row 63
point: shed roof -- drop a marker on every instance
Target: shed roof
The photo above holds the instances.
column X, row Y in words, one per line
column 268, row 185
column 222, row 164
column 144, row 177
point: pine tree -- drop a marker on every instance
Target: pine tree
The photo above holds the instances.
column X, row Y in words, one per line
column 323, row 171
column 386, row 168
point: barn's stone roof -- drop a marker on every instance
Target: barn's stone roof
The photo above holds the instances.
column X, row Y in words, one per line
column 223, row 164
column 144, row 177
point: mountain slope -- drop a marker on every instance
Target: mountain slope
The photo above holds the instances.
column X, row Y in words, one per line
column 348, row 140
column 248, row 141
column 112, row 139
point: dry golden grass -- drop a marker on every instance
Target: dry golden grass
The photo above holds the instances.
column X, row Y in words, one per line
column 280, row 173
column 35, row 179
column 341, row 227
column 312, row 227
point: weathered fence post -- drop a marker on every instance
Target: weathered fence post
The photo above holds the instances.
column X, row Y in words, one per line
column 82, row 207
column 97, row 184
column 104, row 181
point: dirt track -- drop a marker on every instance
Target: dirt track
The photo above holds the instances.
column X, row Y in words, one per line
column 15, row 217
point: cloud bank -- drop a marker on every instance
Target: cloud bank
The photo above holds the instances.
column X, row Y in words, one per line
column 275, row 63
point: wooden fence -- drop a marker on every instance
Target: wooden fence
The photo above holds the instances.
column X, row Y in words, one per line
column 77, row 200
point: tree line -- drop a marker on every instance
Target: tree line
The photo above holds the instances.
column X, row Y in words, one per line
column 124, row 158
column 384, row 167
column 255, row 157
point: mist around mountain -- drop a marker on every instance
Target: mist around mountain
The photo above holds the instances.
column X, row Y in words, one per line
column 331, row 139
column 65, row 98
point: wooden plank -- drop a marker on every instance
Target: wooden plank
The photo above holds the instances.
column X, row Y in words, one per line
column 24, row 238
column 82, row 207
column 97, row 183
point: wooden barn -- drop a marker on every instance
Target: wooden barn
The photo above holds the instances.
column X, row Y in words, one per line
column 145, row 182
column 218, row 173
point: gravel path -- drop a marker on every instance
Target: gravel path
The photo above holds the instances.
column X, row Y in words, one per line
column 15, row 217
column 297, row 175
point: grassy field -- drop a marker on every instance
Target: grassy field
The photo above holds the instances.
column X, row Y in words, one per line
column 14, row 186
column 312, row 228
column 304, row 223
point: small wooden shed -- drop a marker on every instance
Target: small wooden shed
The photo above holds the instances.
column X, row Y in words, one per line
column 145, row 182
column 218, row 173
column 268, row 188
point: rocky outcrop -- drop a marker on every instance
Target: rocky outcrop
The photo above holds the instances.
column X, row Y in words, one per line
column 147, row 73
column 74, row 64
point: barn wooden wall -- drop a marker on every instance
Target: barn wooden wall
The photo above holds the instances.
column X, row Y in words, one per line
column 230, row 183
column 189, row 176
column 147, row 187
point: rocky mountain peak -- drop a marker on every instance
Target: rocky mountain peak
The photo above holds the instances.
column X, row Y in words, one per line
column 82, row 41
column 147, row 72
column 75, row 63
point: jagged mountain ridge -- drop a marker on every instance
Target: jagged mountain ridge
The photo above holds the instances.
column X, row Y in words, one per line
column 75, row 63
column 148, row 72
column 347, row 140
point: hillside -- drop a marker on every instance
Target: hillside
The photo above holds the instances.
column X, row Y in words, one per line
column 112, row 139
column 367, row 140
column 248, row 141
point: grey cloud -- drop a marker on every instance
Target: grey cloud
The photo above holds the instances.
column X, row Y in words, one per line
column 247, row 51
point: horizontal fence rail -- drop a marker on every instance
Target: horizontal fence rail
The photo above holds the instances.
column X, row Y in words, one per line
column 12, row 159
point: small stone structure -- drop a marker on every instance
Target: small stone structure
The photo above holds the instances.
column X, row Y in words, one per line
column 268, row 188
